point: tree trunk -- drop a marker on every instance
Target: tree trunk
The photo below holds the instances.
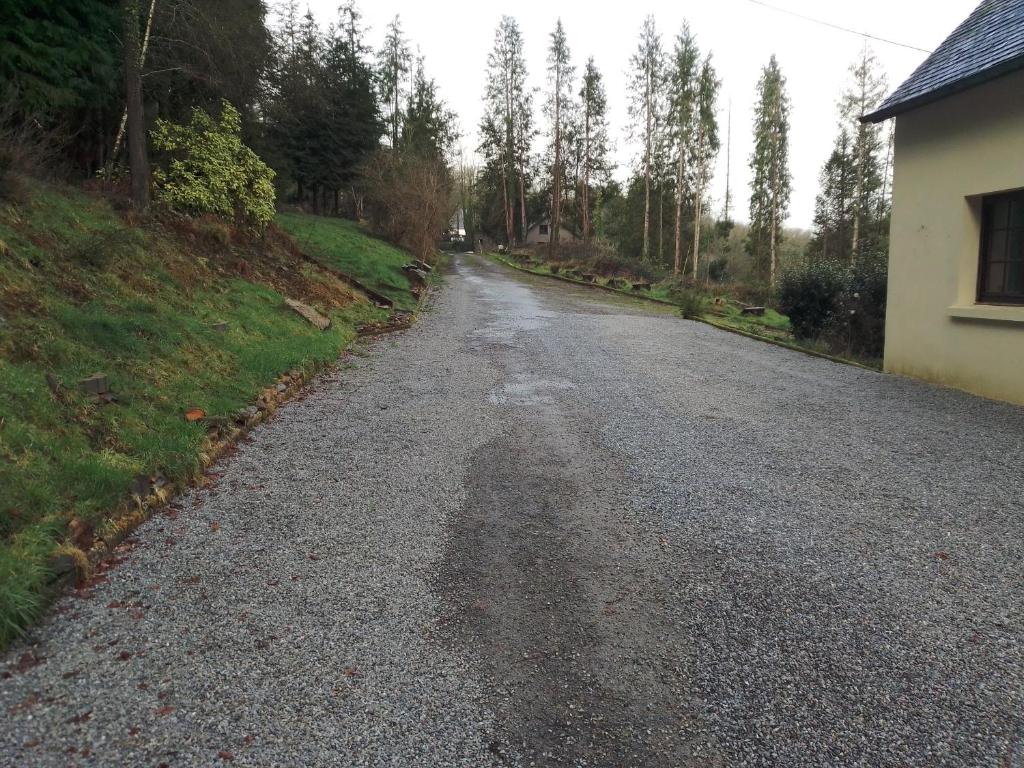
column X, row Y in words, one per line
column 647, row 171
column 507, row 204
column 138, row 162
column 523, row 226
column 697, row 195
column 119, row 139
column 677, row 264
column 556, row 218
column 586, row 182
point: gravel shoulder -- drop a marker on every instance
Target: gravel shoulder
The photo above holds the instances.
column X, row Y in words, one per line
column 549, row 526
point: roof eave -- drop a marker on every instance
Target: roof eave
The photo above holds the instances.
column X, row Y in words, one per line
column 978, row 78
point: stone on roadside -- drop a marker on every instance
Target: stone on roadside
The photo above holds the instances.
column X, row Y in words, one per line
column 309, row 314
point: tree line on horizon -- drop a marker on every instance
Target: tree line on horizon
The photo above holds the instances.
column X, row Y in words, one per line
column 560, row 172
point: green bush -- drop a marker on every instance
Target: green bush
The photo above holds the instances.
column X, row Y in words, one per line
column 209, row 170
column 809, row 294
column 858, row 326
column 692, row 303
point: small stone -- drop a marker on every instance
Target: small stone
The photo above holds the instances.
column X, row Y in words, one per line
column 220, row 326
column 97, row 384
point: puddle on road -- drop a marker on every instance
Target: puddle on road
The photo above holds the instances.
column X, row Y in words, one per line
column 528, row 390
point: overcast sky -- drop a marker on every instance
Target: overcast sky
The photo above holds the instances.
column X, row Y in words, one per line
column 455, row 37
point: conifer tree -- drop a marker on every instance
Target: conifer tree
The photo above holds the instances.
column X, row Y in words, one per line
column 769, row 164
column 705, row 145
column 560, row 73
column 866, row 91
column 509, row 112
column 394, row 61
column 682, row 102
column 645, row 89
column 594, row 165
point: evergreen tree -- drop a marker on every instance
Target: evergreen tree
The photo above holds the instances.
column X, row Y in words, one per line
column 769, row 165
column 645, row 89
column 428, row 129
column 866, row 92
column 705, row 145
column 852, row 209
column 560, row 73
column 833, row 216
column 594, row 144
column 683, row 86
column 508, row 105
column 394, row 61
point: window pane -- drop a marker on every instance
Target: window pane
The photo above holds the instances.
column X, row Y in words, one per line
column 1000, row 212
column 1015, row 278
column 994, row 277
column 997, row 244
column 1014, row 245
column 1017, row 212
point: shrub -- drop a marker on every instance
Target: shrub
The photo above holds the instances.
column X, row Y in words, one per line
column 408, row 199
column 809, row 293
column 718, row 270
column 692, row 303
column 209, row 170
column 858, row 326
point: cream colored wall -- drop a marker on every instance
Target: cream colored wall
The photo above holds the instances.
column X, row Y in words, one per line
column 947, row 155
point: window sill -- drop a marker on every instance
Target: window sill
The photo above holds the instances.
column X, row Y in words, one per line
column 1002, row 313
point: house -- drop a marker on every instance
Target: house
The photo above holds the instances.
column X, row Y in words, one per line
column 540, row 233
column 955, row 311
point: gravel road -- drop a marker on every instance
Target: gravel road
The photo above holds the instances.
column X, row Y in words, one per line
column 549, row 526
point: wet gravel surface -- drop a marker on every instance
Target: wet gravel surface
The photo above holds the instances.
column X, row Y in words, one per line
column 548, row 526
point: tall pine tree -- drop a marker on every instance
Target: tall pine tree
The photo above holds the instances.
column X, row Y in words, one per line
column 646, row 85
column 594, row 163
column 560, row 73
column 769, row 165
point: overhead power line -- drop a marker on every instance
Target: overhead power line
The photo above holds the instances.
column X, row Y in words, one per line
column 837, row 26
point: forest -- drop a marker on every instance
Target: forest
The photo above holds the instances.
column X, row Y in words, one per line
column 661, row 223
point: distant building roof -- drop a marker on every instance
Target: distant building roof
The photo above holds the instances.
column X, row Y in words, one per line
column 988, row 44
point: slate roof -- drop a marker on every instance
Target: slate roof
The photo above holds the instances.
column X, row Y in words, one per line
column 988, row 44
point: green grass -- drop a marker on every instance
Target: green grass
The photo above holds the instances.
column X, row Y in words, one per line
column 82, row 292
column 343, row 245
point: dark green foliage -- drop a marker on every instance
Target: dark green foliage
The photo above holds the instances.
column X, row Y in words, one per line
column 808, row 293
column 692, row 303
column 204, row 52
column 858, row 327
column 322, row 119
column 718, row 270
column 58, row 56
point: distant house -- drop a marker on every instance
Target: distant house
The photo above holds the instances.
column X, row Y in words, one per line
column 955, row 310
column 540, row 233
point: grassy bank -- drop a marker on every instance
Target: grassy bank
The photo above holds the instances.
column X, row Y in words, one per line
column 83, row 292
column 342, row 245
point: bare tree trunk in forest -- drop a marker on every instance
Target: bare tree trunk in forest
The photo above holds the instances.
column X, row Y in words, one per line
column 507, row 204
column 677, row 264
column 775, row 222
column 661, row 221
column 586, row 183
column 648, row 108
column 138, row 162
column 522, row 204
column 697, row 201
column 142, row 60
column 556, row 196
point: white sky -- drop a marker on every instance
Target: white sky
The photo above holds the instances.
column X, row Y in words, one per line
column 455, row 37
